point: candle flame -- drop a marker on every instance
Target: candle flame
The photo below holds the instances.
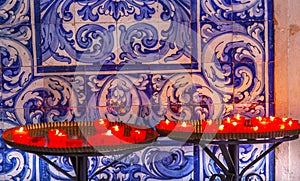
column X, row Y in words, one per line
column 101, row 121
column 108, row 133
column 221, row 127
column 209, row 122
column 284, row 119
column 21, row 129
column 116, row 128
column 228, row 120
column 259, row 118
column 238, row 117
column 167, row 121
column 137, row 131
column 290, row 123
column 255, row 128
column 61, row 134
column 263, row 122
column 282, row 126
column 234, row 123
column 272, row 118
column 183, row 124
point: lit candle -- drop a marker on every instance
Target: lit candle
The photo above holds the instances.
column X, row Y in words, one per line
column 240, row 118
column 52, row 133
column 166, row 125
column 292, row 125
column 255, row 128
column 256, row 120
column 221, row 128
column 210, row 126
column 117, row 130
column 21, row 136
column 109, row 138
column 184, row 127
column 57, row 138
column 138, row 135
column 101, row 125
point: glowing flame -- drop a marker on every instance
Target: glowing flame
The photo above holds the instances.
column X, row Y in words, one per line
column 108, row 133
column 234, row 123
column 272, row 118
column 101, row 121
column 255, row 128
column 167, row 121
column 259, row 118
column 221, row 127
column 228, row 120
column 21, row 129
column 209, row 122
column 184, row 124
column 116, row 128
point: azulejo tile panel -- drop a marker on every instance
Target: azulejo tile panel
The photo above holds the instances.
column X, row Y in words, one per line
column 134, row 61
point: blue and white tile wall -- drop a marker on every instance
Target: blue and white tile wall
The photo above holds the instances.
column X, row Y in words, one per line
column 134, row 61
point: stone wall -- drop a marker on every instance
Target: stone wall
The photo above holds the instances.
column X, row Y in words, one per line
column 287, row 82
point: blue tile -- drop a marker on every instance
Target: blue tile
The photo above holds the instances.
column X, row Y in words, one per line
column 56, row 12
column 15, row 13
column 216, row 10
column 250, row 10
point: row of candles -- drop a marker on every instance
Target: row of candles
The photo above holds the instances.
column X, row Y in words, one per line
column 235, row 124
column 106, row 133
column 113, row 133
column 57, row 138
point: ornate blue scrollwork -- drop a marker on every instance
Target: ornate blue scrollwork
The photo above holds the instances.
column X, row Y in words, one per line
column 15, row 59
column 185, row 97
column 237, row 64
column 116, row 9
column 135, row 52
column 216, row 10
column 156, row 164
column 91, row 43
column 121, row 98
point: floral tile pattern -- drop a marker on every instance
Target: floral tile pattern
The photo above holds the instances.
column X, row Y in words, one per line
column 139, row 62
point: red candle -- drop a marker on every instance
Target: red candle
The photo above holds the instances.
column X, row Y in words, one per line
column 255, row 128
column 166, row 125
column 21, row 136
column 210, row 126
column 101, row 125
column 58, row 140
column 256, row 120
column 138, row 135
column 52, row 133
column 184, row 126
column 240, row 119
column 292, row 125
column 105, row 139
column 117, row 130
